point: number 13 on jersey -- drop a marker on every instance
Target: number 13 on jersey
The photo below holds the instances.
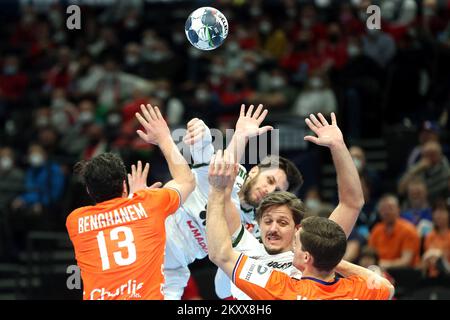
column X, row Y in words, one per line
column 114, row 236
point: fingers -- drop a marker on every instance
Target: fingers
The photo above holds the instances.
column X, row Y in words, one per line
column 142, row 135
column 257, row 112
column 264, row 129
column 242, row 113
column 333, row 119
column 311, row 125
column 155, row 185
column 261, row 118
column 146, row 113
column 323, row 120
column 158, row 113
column 146, row 170
column 139, row 168
column 312, row 139
column 249, row 111
column 141, row 120
column 133, row 171
column 152, row 112
column 192, row 122
column 315, row 121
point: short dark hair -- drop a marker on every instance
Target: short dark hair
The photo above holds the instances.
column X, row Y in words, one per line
column 103, row 176
column 325, row 240
column 280, row 198
column 294, row 176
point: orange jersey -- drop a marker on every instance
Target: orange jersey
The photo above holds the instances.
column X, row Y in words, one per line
column 260, row 282
column 119, row 244
column 390, row 246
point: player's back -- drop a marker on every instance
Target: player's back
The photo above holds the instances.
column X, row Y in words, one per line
column 119, row 244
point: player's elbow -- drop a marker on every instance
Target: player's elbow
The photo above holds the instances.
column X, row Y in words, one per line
column 220, row 256
column 391, row 289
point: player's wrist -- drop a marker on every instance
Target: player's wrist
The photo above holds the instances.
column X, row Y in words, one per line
column 338, row 145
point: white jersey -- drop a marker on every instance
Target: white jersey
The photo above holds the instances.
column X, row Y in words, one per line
column 246, row 243
column 186, row 228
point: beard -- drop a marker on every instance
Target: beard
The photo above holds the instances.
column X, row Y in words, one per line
column 247, row 189
column 273, row 251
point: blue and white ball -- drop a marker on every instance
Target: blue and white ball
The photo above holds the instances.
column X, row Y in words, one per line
column 206, row 28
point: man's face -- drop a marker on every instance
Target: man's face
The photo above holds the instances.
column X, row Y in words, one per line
column 277, row 229
column 389, row 210
column 417, row 194
column 262, row 182
column 299, row 255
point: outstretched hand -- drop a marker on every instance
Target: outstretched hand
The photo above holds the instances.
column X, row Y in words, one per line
column 155, row 126
column 222, row 171
column 137, row 179
column 197, row 131
column 248, row 124
column 327, row 134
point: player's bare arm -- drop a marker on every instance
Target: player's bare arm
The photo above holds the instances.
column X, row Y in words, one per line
column 351, row 198
column 347, row 269
column 157, row 132
column 198, row 138
column 222, row 173
column 137, row 179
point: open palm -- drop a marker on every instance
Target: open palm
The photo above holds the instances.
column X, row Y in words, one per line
column 248, row 124
column 327, row 134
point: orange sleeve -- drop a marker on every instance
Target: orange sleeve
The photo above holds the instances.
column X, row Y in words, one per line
column 164, row 201
column 260, row 282
column 369, row 289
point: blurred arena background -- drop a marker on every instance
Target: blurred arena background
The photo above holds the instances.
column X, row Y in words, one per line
column 67, row 95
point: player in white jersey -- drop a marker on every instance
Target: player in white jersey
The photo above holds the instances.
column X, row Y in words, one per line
column 186, row 235
column 280, row 213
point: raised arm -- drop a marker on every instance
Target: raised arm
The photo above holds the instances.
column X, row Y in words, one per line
column 198, row 138
column 222, row 172
column 351, row 199
column 373, row 279
column 158, row 133
column 247, row 126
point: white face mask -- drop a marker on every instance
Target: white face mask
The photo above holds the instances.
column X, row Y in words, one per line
column 316, row 83
column 358, row 163
column 36, row 159
column 6, row 163
column 312, row 204
column 85, row 117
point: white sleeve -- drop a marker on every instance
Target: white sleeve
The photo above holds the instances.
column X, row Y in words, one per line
column 222, row 284
column 202, row 150
column 246, row 243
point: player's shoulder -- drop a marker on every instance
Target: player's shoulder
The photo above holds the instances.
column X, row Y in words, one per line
column 75, row 214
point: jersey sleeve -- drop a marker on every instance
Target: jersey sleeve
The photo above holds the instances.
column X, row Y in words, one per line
column 246, row 243
column 258, row 281
column 164, row 201
column 370, row 289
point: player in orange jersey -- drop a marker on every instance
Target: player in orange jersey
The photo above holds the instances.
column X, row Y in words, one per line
column 119, row 242
column 319, row 246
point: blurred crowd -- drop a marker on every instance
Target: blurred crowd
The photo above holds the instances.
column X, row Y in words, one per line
column 67, row 95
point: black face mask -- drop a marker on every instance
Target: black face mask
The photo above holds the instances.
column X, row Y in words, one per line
column 334, row 38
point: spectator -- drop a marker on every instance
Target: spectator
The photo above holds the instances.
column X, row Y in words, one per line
column 315, row 205
column 416, row 208
column 379, row 46
column 395, row 240
column 371, row 185
column 429, row 132
column 438, row 239
column 44, row 182
column 433, row 168
column 316, row 97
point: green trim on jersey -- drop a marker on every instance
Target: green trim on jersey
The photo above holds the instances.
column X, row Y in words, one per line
column 239, row 237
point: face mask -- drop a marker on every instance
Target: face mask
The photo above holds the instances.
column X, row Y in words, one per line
column 358, row 163
column 265, row 27
column 130, row 24
column 316, row 83
column 233, row 47
column 114, row 119
column 312, row 203
column 277, row 82
column 131, row 60
column 249, row 67
column 306, row 23
column 6, row 163
column 148, row 41
column 162, row 94
column 201, row 95
column 42, row 122
column 255, row 11
column 85, row 117
column 58, row 103
column 217, row 69
column 353, row 51
column 10, row 70
column 36, row 159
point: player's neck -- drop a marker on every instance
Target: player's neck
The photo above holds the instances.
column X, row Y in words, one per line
column 313, row 273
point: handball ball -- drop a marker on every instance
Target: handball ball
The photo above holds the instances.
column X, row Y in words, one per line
column 206, row 28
